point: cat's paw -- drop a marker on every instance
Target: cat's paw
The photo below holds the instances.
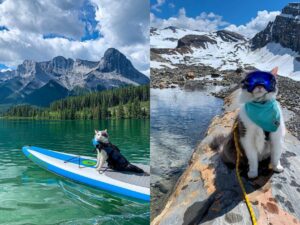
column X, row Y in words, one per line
column 99, row 171
column 278, row 168
column 252, row 174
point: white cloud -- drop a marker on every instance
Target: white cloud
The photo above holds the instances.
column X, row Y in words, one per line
column 59, row 17
column 202, row 22
column 123, row 25
column 171, row 5
column 123, row 22
column 256, row 24
column 158, row 4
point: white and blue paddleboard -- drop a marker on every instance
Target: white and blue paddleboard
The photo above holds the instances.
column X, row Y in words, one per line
column 82, row 169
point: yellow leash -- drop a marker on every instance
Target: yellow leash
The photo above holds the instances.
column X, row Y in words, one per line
column 248, row 203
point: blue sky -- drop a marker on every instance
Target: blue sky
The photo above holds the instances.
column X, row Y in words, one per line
column 244, row 17
column 85, row 29
column 2, row 66
column 236, row 12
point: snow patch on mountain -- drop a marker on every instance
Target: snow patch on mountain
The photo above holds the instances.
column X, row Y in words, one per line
column 273, row 54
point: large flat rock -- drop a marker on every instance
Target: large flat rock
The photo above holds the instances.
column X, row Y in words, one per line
column 208, row 191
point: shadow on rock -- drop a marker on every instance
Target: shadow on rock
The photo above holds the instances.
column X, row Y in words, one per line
column 227, row 194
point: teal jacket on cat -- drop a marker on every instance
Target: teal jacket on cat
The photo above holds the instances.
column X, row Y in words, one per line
column 265, row 115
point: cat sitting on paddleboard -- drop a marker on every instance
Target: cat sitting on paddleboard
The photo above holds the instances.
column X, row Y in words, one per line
column 107, row 152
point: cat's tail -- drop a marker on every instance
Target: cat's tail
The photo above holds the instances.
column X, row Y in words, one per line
column 224, row 145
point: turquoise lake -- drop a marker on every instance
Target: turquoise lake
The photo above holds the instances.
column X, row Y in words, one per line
column 32, row 195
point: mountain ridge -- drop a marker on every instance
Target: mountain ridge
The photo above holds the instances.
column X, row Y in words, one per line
column 113, row 70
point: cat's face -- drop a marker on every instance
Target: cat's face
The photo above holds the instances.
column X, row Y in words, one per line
column 102, row 136
column 259, row 93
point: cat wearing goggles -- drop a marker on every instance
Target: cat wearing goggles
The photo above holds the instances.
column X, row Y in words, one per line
column 261, row 126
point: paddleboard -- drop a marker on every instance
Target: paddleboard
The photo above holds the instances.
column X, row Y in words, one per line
column 82, row 169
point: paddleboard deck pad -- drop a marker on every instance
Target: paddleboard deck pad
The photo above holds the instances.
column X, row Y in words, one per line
column 82, row 169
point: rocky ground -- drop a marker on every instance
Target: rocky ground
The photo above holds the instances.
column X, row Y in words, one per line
column 208, row 191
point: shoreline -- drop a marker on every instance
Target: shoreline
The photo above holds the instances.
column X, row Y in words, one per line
column 164, row 181
column 44, row 119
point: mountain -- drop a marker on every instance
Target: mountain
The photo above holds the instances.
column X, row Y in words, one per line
column 277, row 45
column 41, row 96
column 221, row 49
column 40, row 83
column 285, row 30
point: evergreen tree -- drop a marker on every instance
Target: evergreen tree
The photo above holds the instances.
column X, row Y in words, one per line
column 121, row 113
column 126, row 103
column 136, row 111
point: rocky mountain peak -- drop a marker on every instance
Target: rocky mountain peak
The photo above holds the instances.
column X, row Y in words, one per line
column 230, row 36
column 28, row 62
column 285, row 30
column 27, row 67
column 60, row 64
column 113, row 60
column 292, row 9
column 197, row 41
column 85, row 63
column 172, row 28
column 113, row 54
column 59, row 58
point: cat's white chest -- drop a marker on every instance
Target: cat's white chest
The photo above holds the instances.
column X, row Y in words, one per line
column 262, row 146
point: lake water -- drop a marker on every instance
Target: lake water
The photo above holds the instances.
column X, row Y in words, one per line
column 179, row 120
column 31, row 195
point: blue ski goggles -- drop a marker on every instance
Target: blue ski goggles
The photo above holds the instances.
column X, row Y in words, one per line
column 265, row 79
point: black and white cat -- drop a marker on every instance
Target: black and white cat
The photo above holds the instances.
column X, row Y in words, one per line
column 107, row 152
column 253, row 140
column 259, row 140
column 101, row 137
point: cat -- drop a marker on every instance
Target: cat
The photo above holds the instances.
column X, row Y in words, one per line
column 259, row 140
column 101, row 136
column 107, row 152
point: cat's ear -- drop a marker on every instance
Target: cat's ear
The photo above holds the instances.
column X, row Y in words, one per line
column 96, row 131
column 105, row 130
column 274, row 71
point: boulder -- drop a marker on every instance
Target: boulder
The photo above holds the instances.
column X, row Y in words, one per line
column 162, row 85
column 215, row 75
column 190, row 75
